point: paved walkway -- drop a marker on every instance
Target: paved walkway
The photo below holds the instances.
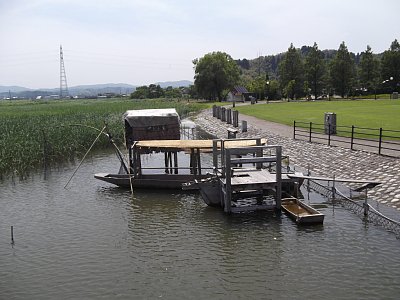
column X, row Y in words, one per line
column 321, row 160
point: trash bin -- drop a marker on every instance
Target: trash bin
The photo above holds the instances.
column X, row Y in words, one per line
column 330, row 123
column 395, row 95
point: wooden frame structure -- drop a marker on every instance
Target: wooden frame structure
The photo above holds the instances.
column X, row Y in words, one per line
column 239, row 181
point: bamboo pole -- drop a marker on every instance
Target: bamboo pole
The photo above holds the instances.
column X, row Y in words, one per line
column 87, row 152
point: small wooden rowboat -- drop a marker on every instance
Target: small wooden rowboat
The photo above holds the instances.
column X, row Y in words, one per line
column 301, row 213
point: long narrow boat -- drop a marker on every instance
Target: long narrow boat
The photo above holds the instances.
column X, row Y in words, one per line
column 154, row 147
column 165, row 171
column 301, row 213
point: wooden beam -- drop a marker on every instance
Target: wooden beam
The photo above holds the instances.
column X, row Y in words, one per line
column 250, row 160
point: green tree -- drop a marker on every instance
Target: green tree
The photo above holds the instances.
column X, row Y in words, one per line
column 141, row 92
column 291, row 71
column 272, row 90
column 342, row 71
column 391, row 65
column 315, row 69
column 171, row 92
column 257, row 86
column 369, row 70
column 214, row 73
column 155, row 91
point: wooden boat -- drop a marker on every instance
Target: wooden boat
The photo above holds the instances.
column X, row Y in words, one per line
column 149, row 181
column 301, row 213
column 165, row 172
column 209, row 190
column 154, row 147
column 248, row 179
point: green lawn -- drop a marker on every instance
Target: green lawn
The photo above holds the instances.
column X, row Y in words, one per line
column 360, row 113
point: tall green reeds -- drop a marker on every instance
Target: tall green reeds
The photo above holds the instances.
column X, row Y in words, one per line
column 33, row 133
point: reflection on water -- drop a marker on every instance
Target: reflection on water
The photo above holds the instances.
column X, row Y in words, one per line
column 93, row 240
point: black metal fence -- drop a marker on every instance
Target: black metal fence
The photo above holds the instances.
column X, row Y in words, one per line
column 378, row 140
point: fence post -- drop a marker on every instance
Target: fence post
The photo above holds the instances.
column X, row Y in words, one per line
column 380, row 140
column 352, row 137
column 294, row 130
column 229, row 116
column 235, row 118
column 329, row 134
column 223, row 114
column 310, row 131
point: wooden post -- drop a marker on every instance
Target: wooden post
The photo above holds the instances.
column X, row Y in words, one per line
column 329, row 134
column 170, row 162
column 228, row 186
column 193, row 162
column 198, row 160
column 229, row 116
column 310, row 133
column 380, row 140
column 352, row 137
column 176, row 162
column 294, row 130
column 215, row 156
column 12, row 235
column 365, row 205
column 259, row 154
column 166, row 162
column 278, row 177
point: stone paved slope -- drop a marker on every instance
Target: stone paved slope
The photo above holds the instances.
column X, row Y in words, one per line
column 322, row 160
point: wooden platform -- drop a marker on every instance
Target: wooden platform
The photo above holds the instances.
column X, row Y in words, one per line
column 240, row 183
column 195, row 144
column 258, row 179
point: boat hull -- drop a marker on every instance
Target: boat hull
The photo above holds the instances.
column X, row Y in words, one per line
column 210, row 192
column 301, row 213
column 157, row 181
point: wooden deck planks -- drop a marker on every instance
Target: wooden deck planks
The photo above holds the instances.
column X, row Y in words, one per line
column 195, row 144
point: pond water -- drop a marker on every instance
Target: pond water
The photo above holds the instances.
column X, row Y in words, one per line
column 96, row 241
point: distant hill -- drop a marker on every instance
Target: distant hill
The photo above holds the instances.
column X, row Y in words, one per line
column 82, row 90
column 95, row 89
column 12, row 88
column 175, row 84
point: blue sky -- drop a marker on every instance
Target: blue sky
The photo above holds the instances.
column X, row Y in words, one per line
column 146, row 41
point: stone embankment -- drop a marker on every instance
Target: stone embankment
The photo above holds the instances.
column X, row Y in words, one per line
column 321, row 160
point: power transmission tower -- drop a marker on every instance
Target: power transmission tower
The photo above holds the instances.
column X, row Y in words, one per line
column 63, row 77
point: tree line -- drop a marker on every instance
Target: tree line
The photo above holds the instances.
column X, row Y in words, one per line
column 154, row 91
column 306, row 72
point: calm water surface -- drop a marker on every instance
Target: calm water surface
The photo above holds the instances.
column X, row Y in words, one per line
column 96, row 241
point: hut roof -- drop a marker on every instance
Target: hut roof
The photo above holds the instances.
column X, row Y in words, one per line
column 151, row 117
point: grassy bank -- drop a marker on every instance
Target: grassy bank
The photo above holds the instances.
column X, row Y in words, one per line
column 361, row 113
column 36, row 132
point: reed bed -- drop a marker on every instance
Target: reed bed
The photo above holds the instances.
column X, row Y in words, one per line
column 37, row 133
